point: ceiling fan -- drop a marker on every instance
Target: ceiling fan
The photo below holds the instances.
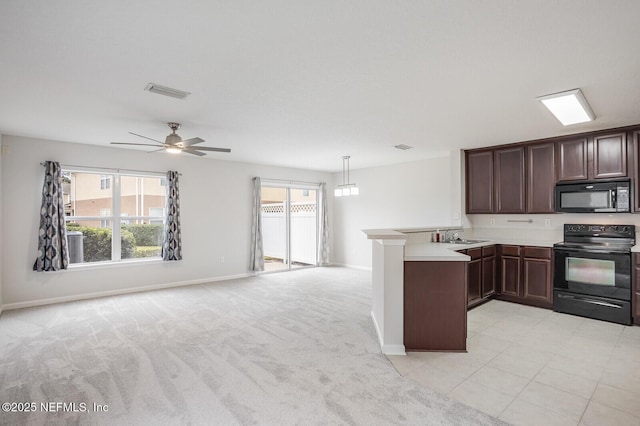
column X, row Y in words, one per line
column 174, row 144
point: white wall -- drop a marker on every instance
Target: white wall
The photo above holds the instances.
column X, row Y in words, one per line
column 418, row 194
column 215, row 212
column 502, row 226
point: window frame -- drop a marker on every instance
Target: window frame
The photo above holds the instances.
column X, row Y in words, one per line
column 115, row 218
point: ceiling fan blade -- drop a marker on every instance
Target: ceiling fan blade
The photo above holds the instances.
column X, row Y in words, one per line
column 192, row 141
column 151, row 139
column 137, row 144
column 206, row 148
column 194, row 152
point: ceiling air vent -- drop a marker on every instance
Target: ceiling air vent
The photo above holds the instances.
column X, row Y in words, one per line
column 403, row 147
column 167, row 91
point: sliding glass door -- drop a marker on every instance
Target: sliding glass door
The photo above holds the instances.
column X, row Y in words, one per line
column 289, row 226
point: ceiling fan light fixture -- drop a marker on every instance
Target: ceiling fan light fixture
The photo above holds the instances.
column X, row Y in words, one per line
column 173, row 150
column 166, row 91
column 570, row 107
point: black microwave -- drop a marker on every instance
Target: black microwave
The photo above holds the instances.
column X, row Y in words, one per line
column 594, row 197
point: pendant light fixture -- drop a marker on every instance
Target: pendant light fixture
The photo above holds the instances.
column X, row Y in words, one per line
column 347, row 188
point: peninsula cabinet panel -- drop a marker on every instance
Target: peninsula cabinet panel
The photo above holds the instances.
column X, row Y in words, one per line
column 435, row 306
column 541, row 178
column 610, row 156
column 572, row 159
column 509, row 180
column 479, row 182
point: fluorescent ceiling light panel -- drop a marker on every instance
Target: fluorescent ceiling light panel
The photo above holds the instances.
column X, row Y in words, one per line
column 166, row 91
column 570, row 107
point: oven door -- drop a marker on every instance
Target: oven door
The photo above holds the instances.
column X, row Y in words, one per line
column 593, row 273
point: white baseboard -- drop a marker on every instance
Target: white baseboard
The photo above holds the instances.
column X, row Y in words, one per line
column 387, row 349
column 394, row 350
column 375, row 325
column 95, row 295
column 346, row 265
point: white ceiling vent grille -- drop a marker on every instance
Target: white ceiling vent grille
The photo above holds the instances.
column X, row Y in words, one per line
column 403, row 147
column 166, row 91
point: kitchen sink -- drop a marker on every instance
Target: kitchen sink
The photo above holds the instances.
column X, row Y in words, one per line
column 459, row 241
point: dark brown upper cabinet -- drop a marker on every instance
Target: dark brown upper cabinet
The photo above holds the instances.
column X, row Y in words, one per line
column 509, row 180
column 602, row 156
column 541, row 177
column 635, row 160
column 521, row 177
column 572, row 159
column 479, row 178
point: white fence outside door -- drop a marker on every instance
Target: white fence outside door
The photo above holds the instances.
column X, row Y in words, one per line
column 303, row 231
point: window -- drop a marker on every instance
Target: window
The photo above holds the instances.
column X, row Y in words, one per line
column 105, row 182
column 123, row 220
column 157, row 212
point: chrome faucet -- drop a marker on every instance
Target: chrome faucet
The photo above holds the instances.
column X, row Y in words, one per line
column 448, row 237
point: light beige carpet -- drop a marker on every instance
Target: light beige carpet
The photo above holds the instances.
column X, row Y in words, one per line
column 279, row 349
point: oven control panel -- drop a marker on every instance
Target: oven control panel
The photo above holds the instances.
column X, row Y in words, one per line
column 615, row 231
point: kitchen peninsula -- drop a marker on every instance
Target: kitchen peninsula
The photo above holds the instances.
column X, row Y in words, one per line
column 419, row 299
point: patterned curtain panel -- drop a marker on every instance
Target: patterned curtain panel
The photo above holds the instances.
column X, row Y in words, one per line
column 53, row 254
column 323, row 243
column 257, row 254
column 172, row 240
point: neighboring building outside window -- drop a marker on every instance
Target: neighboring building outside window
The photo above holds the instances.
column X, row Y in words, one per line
column 104, row 223
column 105, row 182
column 114, row 228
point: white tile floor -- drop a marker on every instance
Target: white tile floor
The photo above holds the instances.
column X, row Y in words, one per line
column 531, row 366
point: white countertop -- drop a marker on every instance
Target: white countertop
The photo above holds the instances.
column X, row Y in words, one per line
column 445, row 252
column 384, row 234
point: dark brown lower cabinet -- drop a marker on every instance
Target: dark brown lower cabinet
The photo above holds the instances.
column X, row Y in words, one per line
column 474, row 276
column 537, row 279
column 435, row 306
column 526, row 275
column 635, row 292
column 488, row 271
column 510, row 271
column 481, row 274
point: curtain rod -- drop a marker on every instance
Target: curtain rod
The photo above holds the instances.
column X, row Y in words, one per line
column 70, row 166
column 291, row 181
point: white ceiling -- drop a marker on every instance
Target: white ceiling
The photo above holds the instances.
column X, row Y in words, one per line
column 303, row 82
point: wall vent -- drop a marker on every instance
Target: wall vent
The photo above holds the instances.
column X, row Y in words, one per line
column 166, row 91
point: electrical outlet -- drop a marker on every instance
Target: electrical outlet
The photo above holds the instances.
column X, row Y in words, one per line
column 221, row 259
column 492, row 221
column 547, row 223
